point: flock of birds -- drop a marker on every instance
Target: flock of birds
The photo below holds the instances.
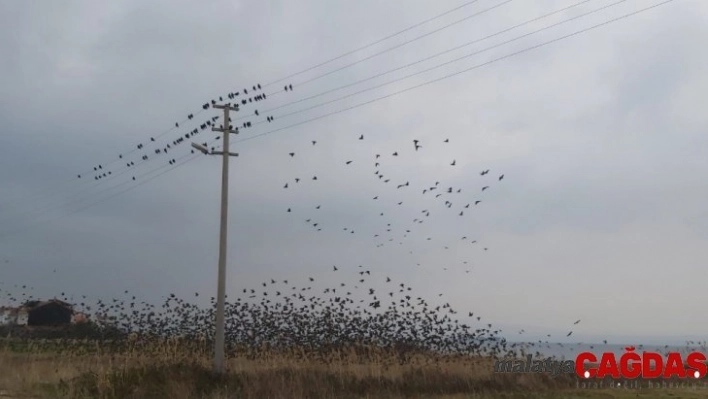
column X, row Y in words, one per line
column 306, row 321
column 299, row 319
column 438, row 197
column 237, row 98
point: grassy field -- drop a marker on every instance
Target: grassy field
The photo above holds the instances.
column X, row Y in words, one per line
column 169, row 372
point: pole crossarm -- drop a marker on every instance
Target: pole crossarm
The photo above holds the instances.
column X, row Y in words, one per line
column 229, row 106
column 233, row 154
column 220, row 129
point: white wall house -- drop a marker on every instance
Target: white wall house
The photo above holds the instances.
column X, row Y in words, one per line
column 7, row 315
column 22, row 317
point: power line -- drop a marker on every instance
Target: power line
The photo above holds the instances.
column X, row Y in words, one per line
column 366, row 46
column 142, row 181
column 406, row 42
column 334, row 59
column 448, row 62
column 122, row 170
column 430, row 57
column 83, row 181
column 457, row 73
column 372, row 44
column 62, row 202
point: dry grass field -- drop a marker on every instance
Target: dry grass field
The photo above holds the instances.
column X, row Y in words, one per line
column 169, row 371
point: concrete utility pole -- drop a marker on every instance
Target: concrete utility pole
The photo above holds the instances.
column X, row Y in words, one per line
column 219, row 358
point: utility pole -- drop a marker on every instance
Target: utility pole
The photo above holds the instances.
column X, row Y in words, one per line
column 219, row 357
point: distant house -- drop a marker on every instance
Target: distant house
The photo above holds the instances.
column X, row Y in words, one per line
column 79, row 318
column 49, row 313
column 38, row 313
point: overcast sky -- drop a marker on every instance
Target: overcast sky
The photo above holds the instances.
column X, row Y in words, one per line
column 601, row 137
